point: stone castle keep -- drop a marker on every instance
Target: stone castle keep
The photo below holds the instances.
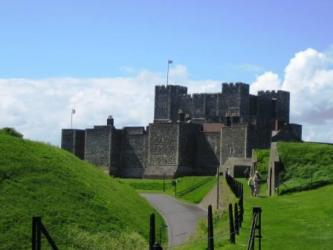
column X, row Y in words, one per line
column 191, row 134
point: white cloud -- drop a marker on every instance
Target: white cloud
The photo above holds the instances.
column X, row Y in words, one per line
column 309, row 78
column 266, row 81
column 40, row 108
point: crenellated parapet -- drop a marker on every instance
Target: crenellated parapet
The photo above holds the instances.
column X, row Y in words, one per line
column 234, row 88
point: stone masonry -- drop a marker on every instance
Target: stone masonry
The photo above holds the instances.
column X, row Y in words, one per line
column 192, row 134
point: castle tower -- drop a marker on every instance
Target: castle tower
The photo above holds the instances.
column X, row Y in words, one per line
column 280, row 106
column 235, row 103
column 167, row 102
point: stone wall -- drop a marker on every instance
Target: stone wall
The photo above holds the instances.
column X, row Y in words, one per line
column 281, row 107
column 98, row 144
column 187, row 148
column 162, row 149
column 209, row 148
column 274, row 169
column 133, row 153
column 199, row 106
column 212, row 107
column 234, row 142
column 73, row 140
column 186, row 104
column 115, row 160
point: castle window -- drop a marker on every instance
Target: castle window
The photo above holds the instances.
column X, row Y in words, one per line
column 235, row 119
column 228, row 121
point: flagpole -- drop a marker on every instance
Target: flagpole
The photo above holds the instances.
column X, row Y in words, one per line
column 71, row 119
column 168, row 73
column 169, row 62
column 72, row 113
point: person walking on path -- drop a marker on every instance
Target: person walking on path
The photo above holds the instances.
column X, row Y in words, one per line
column 256, row 180
column 250, row 182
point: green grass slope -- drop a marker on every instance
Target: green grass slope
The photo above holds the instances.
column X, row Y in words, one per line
column 297, row 221
column 81, row 207
column 307, row 165
column 190, row 188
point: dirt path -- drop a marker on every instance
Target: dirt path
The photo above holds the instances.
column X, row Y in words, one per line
column 180, row 217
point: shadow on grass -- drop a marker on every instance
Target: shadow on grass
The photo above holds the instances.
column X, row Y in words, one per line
column 306, row 186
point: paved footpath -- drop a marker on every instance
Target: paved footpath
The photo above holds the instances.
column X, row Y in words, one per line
column 180, row 217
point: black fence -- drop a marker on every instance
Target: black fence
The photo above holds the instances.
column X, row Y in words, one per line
column 255, row 232
column 236, row 211
column 235, row 186
column 37, row 230
column 153, row 244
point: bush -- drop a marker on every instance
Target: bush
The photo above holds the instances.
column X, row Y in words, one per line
column 12, row 132
column 262, row 161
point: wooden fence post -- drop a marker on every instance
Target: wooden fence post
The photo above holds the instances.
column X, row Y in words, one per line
column 210, row 229
column 157, row 246
column 236, row 219
column 231, row 225
column 258, row 210
column 36, row 233
column 152, row 232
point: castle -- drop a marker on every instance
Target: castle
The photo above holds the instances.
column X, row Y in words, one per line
column 190, row 135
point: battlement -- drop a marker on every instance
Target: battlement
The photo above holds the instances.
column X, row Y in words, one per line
column 165, row 89
column 204, row 94
column 273, row 93
column 134, row 130
column 233, row 88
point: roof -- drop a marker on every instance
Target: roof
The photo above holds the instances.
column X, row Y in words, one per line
column 212, row 127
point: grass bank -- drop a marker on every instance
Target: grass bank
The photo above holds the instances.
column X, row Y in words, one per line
column 306, row 166
column 81, row 206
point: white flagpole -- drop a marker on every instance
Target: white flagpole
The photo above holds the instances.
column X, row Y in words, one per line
column 169, row 62
column 168, row 75
column 71, row 119
column 72, row 113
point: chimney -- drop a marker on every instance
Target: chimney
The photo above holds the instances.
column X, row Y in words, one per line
column 110, row 121
column 181, row 116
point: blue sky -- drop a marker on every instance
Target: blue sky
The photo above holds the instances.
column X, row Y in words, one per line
column 104, row 57
column 224, row 40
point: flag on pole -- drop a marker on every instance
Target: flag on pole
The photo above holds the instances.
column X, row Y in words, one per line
column 73, row 111
column 170, row 61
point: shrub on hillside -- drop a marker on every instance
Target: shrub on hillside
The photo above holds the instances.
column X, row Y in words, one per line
column 262, row 162
column 12, row 132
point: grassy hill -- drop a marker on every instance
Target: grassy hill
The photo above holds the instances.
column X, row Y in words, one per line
column 307, row 165
column 81, row 206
